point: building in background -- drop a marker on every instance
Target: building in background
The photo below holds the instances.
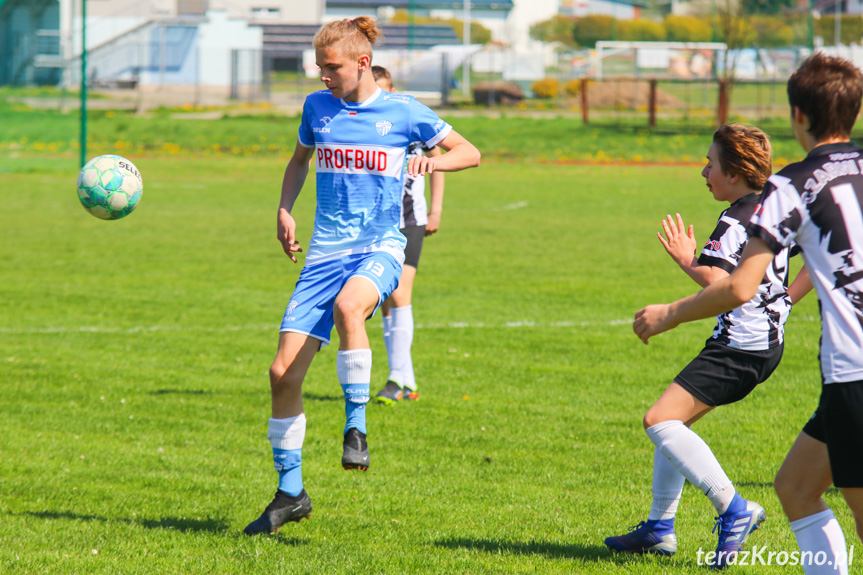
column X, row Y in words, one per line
column 30, row 42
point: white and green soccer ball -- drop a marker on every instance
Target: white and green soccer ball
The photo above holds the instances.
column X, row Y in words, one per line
column 110, row 187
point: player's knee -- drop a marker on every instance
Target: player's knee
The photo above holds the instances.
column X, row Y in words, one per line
column 651, row 418
column 783, row 487
column 281, row 377
column 792, row 489
column 347, row 311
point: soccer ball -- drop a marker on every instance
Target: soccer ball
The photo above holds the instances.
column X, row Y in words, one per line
column 110, row 187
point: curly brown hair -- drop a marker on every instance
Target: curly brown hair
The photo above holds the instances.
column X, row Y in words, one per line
column 355, row 36
column 744, row 151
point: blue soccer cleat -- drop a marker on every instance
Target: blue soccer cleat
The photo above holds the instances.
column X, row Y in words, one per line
column 653, row 536
column 735, row 525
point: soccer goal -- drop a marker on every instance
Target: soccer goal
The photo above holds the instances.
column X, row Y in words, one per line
column 674, row 60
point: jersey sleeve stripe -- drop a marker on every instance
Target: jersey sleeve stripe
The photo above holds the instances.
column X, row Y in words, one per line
column 715, row 262
column 439, row 136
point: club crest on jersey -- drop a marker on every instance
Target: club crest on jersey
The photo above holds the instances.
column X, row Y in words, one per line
column 323, row 130
column 383, row 127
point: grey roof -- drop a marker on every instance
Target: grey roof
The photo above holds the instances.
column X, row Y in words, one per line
column 292, row 39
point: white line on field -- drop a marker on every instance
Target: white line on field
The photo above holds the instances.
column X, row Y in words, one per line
column 372, row 324
column 515, row 206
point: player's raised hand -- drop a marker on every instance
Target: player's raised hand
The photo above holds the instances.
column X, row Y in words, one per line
column 652, row 320
column 420, row 165
column 681, row 243
column 286, row 233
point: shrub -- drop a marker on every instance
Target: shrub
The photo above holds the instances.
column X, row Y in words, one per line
column 593, row 28
column 686, row 29
column 572, row 87
column 771, row 31
column 640, row 30
column 556, row 29
column 547, row 88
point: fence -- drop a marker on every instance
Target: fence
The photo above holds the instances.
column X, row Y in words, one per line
column 166, row 68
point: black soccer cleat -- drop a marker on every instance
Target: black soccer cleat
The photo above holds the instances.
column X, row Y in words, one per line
column 283, row 509
column 355, row 453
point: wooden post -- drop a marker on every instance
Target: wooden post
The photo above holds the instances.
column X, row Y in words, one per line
column 652, row 104
column 722, row 112
column 584, row 100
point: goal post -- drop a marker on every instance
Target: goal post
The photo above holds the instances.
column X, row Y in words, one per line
column 669, row 59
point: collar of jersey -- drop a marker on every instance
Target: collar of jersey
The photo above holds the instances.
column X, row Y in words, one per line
column 746, row 198
column 370, row 99
column 826, row 149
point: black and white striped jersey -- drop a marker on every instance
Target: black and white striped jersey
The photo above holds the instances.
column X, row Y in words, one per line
column 816, row 204
column 414, row 206
column 758, row 324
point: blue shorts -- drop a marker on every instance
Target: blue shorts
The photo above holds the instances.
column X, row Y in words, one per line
column 310, row 311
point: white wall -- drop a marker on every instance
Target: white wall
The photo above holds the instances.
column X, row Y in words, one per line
column 216, row 39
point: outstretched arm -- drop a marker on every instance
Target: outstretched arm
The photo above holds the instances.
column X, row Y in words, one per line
column 801, row 285
column 437, row 186
column 292, row 183
column 460, row 155
column 721, row 296
column 681, row 246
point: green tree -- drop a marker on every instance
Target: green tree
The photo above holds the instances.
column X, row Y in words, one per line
column 593, row 28
column 686, row 29
column 556, row 29
column 640, row 30
column 767, row 6
column 734, row 29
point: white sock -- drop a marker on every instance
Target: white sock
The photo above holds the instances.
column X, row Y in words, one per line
column 694, row 460
column 667, row 488
column 401, row 363
column 287, row 433
column 821, row 533
column 388, row 332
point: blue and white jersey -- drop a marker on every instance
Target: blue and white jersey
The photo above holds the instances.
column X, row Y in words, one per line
column 360, row 160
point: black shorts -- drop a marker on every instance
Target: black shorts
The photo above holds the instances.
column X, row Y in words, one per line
column 838, row 422
column 415, row 235
column 721, row 375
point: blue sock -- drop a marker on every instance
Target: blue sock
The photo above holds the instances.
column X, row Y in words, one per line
column 289, row 465
column 737, row 504
column 662, row 525
column 356, row 397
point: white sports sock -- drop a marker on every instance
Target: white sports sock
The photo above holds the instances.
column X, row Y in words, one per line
column 667, row 488
column 694, row 460
column 287, row 433
column 401, row 363
column 388, row 333
column 821, row 533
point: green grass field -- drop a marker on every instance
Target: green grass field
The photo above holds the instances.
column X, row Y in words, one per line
column 134, row 355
